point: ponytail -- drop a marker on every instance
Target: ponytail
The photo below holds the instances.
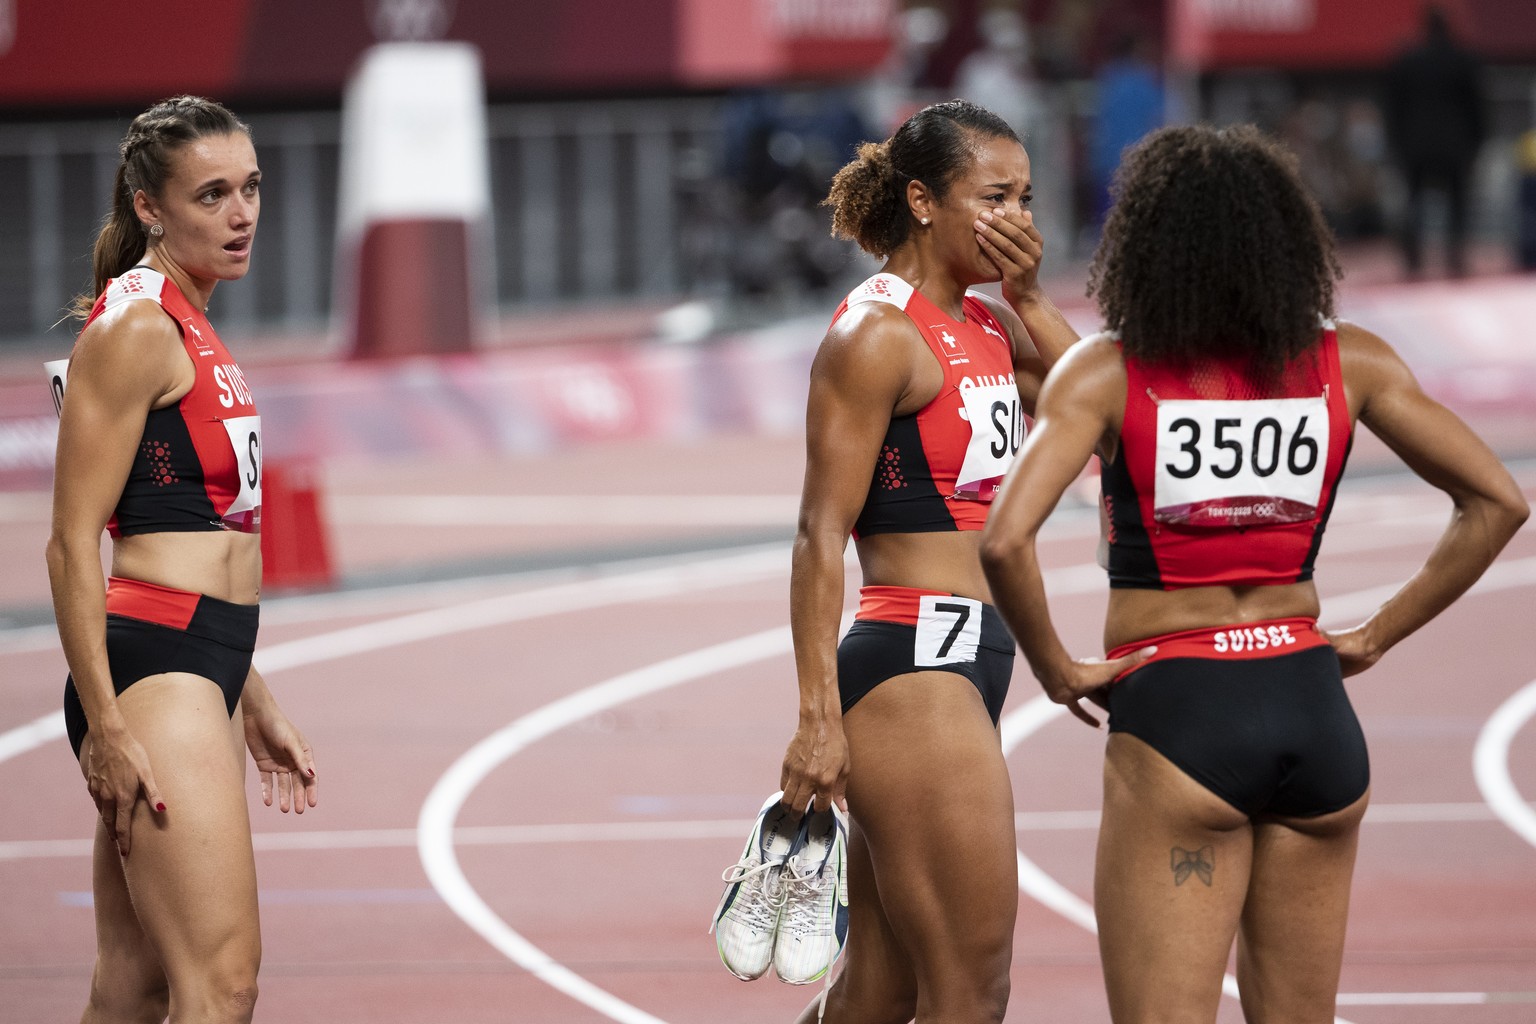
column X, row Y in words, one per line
column 868, row 200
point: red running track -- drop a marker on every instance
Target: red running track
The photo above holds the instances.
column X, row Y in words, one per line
column 622, row 722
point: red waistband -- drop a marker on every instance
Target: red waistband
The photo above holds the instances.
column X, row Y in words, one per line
column 1267, row 639
column 894, row 604
column 151, row 602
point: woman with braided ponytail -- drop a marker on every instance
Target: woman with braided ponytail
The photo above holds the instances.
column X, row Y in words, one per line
column 918, row 400
column 160, row 445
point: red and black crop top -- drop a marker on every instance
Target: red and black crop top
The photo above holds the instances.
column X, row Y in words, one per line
column 940, row 467
column 1222, row 480
column 198, row 464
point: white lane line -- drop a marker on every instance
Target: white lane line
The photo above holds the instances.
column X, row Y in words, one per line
column 1073, row 579
column 651, row 830
column 1490, row 762
column 436, row 823
column 1435, row 998
column 438, row 813
column 664, row 581
column 1372, row 529
column 581, row 510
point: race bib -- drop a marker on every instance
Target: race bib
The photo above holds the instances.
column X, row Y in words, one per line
column 58, row 374
column 1240, row 463
column 245, row 438
column 948, row 630
column 997, row 433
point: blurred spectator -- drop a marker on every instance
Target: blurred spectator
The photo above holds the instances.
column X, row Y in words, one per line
column 1433, row 108
column 1129, row 104
column 1526, row 161
column 998, row 76
column 891, row 94
column 780, row 149
column 1338, row 145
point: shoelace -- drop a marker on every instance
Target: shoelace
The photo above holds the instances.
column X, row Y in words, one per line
column 812, row 882
column 757, row 910
column 791, row 879
column 776, row 898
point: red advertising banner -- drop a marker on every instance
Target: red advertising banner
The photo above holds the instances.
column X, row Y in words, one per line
column 100, row 52
column 1229, row 34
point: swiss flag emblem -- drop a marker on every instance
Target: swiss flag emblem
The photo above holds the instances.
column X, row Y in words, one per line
column 951, row 344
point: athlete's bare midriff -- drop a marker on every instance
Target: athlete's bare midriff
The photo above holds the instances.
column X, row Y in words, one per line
column 1141, row 614
column 222, row 564
column 948, row 562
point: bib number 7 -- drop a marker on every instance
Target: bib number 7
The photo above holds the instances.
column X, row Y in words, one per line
column 948, row 630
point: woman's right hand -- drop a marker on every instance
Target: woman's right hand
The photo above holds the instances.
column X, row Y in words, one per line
column 118, row 775
column 816, row 767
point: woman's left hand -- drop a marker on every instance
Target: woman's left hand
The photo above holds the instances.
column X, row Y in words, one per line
column 1010, row 239
column 283, row 758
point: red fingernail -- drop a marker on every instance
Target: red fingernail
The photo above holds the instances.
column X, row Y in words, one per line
column 311, row 773
column 160, row 807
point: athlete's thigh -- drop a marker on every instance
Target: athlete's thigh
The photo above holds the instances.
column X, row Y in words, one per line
column 190, row 870
column 876, row 983
column 1169, row 883
column 1293, row 926
column 128, row 971
column 930, row 789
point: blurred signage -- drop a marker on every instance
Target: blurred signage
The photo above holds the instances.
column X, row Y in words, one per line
column 1230, row 34
column 725, row 43
column 238, row 50
column 1256, row 15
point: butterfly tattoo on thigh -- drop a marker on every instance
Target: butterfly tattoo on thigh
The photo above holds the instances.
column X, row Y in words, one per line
column 1201, row 863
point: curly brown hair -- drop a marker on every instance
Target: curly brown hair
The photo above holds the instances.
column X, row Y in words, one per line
column 1214, row 247
column 869, row 194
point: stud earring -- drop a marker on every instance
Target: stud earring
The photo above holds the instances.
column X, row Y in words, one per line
column 155, row 230
column 921, row 220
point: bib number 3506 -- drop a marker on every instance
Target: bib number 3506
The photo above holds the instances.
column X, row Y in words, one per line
column 1240, row 463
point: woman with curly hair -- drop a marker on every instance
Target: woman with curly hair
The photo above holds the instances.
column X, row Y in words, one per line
column 1221, row 401
column 917, row 402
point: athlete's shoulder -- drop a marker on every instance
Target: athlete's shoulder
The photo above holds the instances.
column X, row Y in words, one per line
column 1352, row 336
column 1364, row 353
column 1092, row 356
column 138, row 283
column 882, row 289
column 126, row 335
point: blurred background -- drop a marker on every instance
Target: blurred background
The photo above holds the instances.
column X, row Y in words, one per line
column 650, row 170
column 532, row 306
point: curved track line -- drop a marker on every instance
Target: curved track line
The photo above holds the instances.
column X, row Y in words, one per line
column 606, row 587
column 1490, row 762
column 435, row 825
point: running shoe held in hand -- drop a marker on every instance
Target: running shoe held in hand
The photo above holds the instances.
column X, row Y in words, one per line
column 814, row 890
column 748, row 915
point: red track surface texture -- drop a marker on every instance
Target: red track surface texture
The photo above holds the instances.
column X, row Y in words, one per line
column 531, row 783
